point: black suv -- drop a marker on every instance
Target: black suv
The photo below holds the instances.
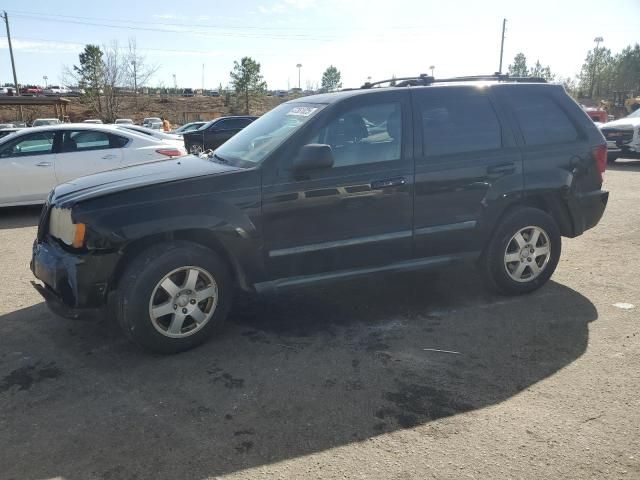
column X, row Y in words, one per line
column 214, row 133
column 326, row 188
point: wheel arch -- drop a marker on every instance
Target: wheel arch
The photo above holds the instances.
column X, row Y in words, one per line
column 202, row 237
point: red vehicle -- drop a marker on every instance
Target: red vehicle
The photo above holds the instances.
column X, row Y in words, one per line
column 31, row 90
column 597, row 115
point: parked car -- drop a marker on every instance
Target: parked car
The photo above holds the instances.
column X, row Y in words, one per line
column 155, row 126
column 188, row 92
column 211, row 93
column 597, row 114
column 188, row 127
column 6, row 91
column 56, row 90
column 623, row 137
column 124, row 121
column 93, row 120
column 307, row 194
column 34, row 160
column 150, row 120
column 8, row 131
column 40, row 122
column 214, row 133
column 159, row 134
column 31, row 90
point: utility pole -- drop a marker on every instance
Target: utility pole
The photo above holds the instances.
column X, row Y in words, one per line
column 203, row 79
column 45, row 78
column 175, row 84
column 504, row 27
column 135, row 81
column 13, row 63
column 299, row 67
column 432, row 68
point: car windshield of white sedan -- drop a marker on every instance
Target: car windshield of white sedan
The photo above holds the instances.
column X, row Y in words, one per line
column 260, row 138
column 635, row 114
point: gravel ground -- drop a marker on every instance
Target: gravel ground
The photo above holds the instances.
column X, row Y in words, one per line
column 344, row 381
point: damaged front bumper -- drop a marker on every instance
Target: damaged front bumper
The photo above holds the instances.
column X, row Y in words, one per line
column 72, row 283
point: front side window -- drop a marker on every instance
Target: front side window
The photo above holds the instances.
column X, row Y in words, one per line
column 255, row 142
column 541, row 120
column 83, row 140
column 457, row 122
column 364, row 135
column 34, row 144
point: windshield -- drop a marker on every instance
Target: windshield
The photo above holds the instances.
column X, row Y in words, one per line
column 635, row 114
column 260, row 138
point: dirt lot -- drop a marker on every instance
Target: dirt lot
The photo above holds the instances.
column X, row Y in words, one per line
column 336, row 382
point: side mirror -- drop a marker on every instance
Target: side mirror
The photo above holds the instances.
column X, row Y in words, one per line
column 314, row 156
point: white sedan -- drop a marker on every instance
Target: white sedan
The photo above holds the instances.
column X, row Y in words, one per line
column 34, row 160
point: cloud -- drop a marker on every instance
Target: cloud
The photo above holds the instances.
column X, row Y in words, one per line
column 286, row 5
column 36, row 46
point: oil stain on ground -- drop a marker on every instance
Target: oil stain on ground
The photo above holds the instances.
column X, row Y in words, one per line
column 25, row 377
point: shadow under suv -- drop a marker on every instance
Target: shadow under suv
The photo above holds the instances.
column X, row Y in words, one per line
column 488, row 169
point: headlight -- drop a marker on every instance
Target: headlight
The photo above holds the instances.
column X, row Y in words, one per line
column 62, row 227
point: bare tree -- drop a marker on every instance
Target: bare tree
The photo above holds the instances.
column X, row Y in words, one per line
column 114, row 77
column 139, row 72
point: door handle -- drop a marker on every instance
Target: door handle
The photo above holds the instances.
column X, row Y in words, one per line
column 502, row 168
column 109, row 156
column 43, row 164
column 388, row 182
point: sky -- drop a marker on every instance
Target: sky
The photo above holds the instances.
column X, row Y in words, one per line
column 362, row 38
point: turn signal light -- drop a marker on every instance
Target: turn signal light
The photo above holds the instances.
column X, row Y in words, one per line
column 600, row 155
column 78, row 237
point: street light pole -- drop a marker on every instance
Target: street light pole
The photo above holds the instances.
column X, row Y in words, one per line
column 299, row 67
column 432, row 68
column 598, row 41
column 45, row 78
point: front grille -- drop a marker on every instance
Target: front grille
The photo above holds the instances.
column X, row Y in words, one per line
column 617, row 135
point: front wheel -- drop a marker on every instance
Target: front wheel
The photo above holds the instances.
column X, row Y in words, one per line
column 173, row 296
column 523, row 252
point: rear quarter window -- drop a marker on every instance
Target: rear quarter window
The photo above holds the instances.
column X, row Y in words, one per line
column 542, row 121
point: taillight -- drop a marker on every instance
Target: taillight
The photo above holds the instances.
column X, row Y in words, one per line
column 600, row 156
column 169, row 152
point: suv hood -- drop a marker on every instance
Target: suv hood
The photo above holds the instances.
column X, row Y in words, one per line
column 621, row 122
column 127, row 178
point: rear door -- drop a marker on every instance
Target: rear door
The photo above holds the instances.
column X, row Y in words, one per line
column 27, row 171
column 468, row 164
column 83, row 152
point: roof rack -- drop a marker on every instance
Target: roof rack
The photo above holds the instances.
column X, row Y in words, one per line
column 424, row 79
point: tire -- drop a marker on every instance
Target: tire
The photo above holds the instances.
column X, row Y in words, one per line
column 207, row 298
column 506, row 258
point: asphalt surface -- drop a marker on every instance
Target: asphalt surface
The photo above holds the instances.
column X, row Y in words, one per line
column 398, row 377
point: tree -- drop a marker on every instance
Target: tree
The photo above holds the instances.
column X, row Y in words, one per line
column 247, row 81
column 597, row 71
column 89, row 75
column 542, row 72
column 392, row 83
column 331, row 79
column 519, row 66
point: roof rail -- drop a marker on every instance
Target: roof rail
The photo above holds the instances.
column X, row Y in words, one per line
column 424, row 79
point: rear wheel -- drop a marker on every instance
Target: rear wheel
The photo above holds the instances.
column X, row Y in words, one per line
column 523, row 252
column 173, row 297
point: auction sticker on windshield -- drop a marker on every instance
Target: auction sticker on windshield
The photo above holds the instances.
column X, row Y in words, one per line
column 302, row 111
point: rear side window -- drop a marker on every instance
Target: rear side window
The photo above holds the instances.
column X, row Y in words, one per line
column 456, row 121
column 541, row 120
column 116, row 141
column 233, row 124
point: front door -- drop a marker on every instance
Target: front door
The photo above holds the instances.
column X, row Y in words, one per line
column 355, row 214
column 83, row 152
column 27, row 168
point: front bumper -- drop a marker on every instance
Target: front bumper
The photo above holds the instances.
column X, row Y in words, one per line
column 72, row 282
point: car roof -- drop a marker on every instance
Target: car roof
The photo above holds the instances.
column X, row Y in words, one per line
column 328, row 98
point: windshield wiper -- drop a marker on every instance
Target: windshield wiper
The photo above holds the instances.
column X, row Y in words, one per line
column 220, row 159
